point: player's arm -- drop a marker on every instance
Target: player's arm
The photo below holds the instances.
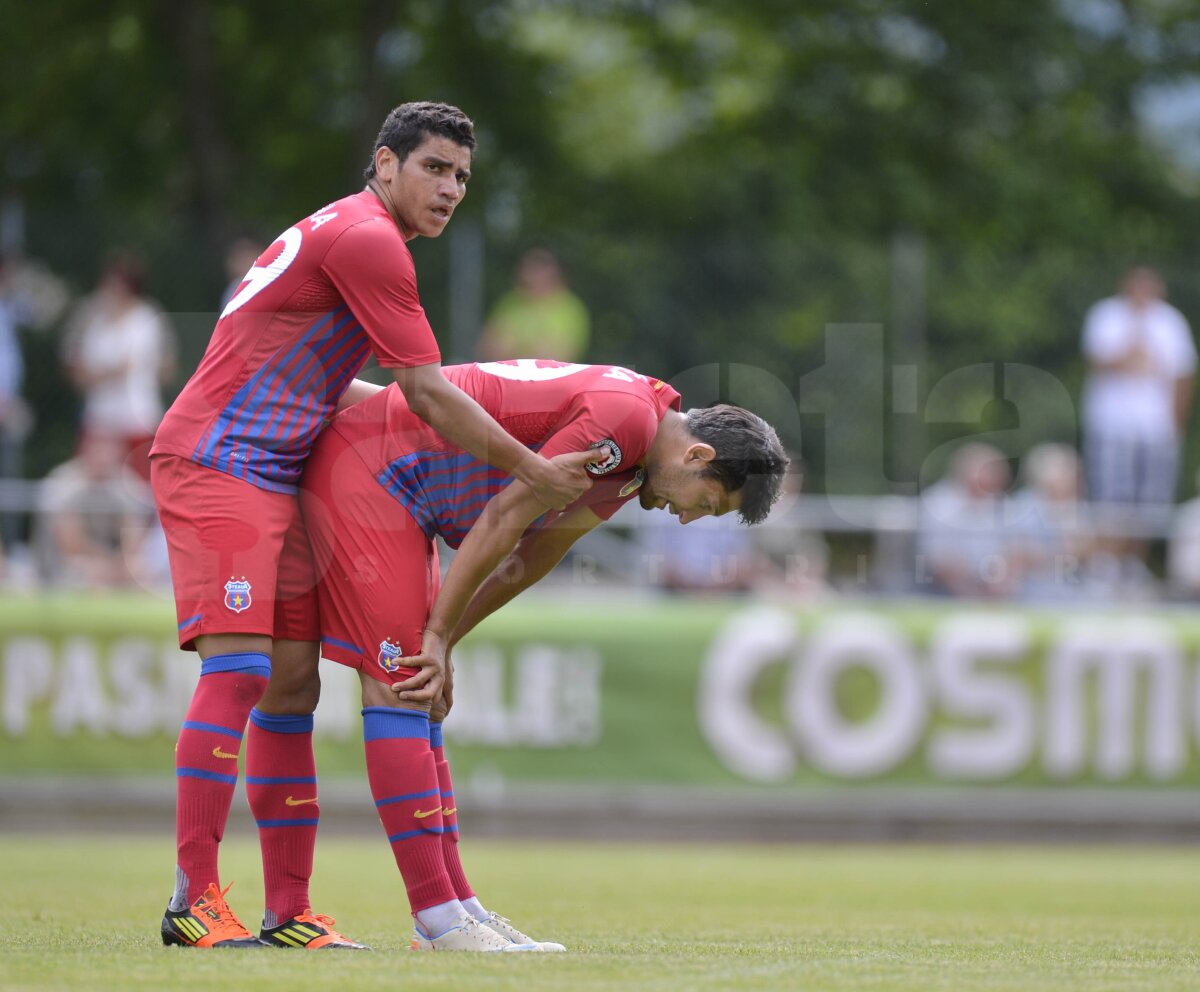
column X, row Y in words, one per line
column 356, row 392
column 530, row 561
column 492, row 537
column 458, row 418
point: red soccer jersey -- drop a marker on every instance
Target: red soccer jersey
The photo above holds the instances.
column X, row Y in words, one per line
column 329, row 291
column 550, row 407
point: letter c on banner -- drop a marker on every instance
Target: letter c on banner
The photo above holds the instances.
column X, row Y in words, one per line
column 751, row 642
column 848, row 748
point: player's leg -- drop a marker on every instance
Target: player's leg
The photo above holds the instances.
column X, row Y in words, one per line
column 223, row 538
column 450, row 854
column 375, row 566
column 281, row 770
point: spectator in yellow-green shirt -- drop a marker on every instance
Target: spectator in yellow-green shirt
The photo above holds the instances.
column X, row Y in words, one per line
column 539, row 317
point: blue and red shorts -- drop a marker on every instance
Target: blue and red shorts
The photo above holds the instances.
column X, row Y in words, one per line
column 378, row 571
column 240, row 561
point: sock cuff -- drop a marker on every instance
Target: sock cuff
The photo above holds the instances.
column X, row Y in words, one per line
column 385, row 722
column 282, row 723
column 252, row 662
column 435, row 735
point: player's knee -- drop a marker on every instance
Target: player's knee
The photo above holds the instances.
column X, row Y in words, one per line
column 376, row 693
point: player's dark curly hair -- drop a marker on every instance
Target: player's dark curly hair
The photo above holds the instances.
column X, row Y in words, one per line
column 408, row 124
column 750, row 457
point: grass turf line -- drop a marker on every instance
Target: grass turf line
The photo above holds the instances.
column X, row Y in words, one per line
column 82, row 913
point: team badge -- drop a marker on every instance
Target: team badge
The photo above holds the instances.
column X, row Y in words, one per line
column 611, row 462
column 237, row 594
column 633, row 485
column 390, row 655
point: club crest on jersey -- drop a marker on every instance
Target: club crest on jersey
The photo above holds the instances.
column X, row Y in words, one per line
column 611, row 462
column 390, row 655
column 634, row 484
column 237, row 594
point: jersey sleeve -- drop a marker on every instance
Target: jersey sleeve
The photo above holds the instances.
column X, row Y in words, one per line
column 372, row 269
column 626, row 424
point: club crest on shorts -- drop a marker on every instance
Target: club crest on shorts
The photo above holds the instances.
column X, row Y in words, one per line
column 611, row 462
column 390, row 655
column 237, row 594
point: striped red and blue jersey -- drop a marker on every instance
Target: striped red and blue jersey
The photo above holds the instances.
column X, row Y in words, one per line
column 331, row 290
column 550, row 407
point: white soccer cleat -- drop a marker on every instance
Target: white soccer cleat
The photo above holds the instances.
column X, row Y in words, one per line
column 503, row 926
column 467, row 935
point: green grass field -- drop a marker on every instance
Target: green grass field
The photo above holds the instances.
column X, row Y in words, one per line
column 83, row 914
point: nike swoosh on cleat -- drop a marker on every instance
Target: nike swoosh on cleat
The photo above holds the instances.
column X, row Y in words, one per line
column 218, row 753
column 299, row 802
column 421, row 814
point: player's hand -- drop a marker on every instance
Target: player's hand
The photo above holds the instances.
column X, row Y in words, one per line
column 561, row 480
column 445, row 701
column 426, row 685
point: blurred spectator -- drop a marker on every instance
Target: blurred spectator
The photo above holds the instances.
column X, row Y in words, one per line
column 94, row 516
column 1051, row 535
column 793, row 559
column 1141, row 365
column 716, row 555
column 240, row 256
column 15, row 417
column 962, row 546
column 539, row 317
column 1183, row 549
column 119, row 351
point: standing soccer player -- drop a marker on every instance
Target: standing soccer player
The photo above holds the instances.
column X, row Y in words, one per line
column 380, row 486
column 331, row 290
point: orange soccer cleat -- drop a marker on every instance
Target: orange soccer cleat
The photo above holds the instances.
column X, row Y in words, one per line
column 208, row 922
column 309, row 931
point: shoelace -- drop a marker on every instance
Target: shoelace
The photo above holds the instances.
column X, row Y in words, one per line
column 522, row 938
column 215, row 899
column 319, row 918
column 473, row 924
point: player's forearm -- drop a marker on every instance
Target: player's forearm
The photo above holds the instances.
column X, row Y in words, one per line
column 463, row 422
column 530, row 562
column 513, row 576
column 489, row 541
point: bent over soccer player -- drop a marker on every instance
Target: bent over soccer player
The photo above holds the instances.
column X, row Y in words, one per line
column 334, row 288
column 381, row 485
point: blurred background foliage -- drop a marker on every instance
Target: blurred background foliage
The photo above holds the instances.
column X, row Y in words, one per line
column 723, row 180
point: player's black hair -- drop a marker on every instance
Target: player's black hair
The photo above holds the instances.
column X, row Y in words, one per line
column 408, row 125
column 750, row 458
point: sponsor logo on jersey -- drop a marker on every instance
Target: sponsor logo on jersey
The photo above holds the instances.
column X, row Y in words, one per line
column 611, row 462
column 634, row 484
column 237, row 594
column 390, row 655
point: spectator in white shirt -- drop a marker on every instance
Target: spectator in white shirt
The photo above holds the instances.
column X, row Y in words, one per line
column 1138, row 393
column 119, row 351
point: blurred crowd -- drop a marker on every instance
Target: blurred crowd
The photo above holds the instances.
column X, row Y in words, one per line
column 1052, row 524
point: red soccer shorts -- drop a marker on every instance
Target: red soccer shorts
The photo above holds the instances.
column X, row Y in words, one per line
column 378, row 571
column 240, row 562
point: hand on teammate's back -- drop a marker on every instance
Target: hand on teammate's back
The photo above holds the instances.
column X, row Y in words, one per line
column 564, row 478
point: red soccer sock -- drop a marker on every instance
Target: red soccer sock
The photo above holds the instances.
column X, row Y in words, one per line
column 405, row 787
column 454, row 868
column 206, row 764
column 281, row 787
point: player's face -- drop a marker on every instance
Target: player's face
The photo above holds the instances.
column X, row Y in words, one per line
column 684, row 492
column 427, row 186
